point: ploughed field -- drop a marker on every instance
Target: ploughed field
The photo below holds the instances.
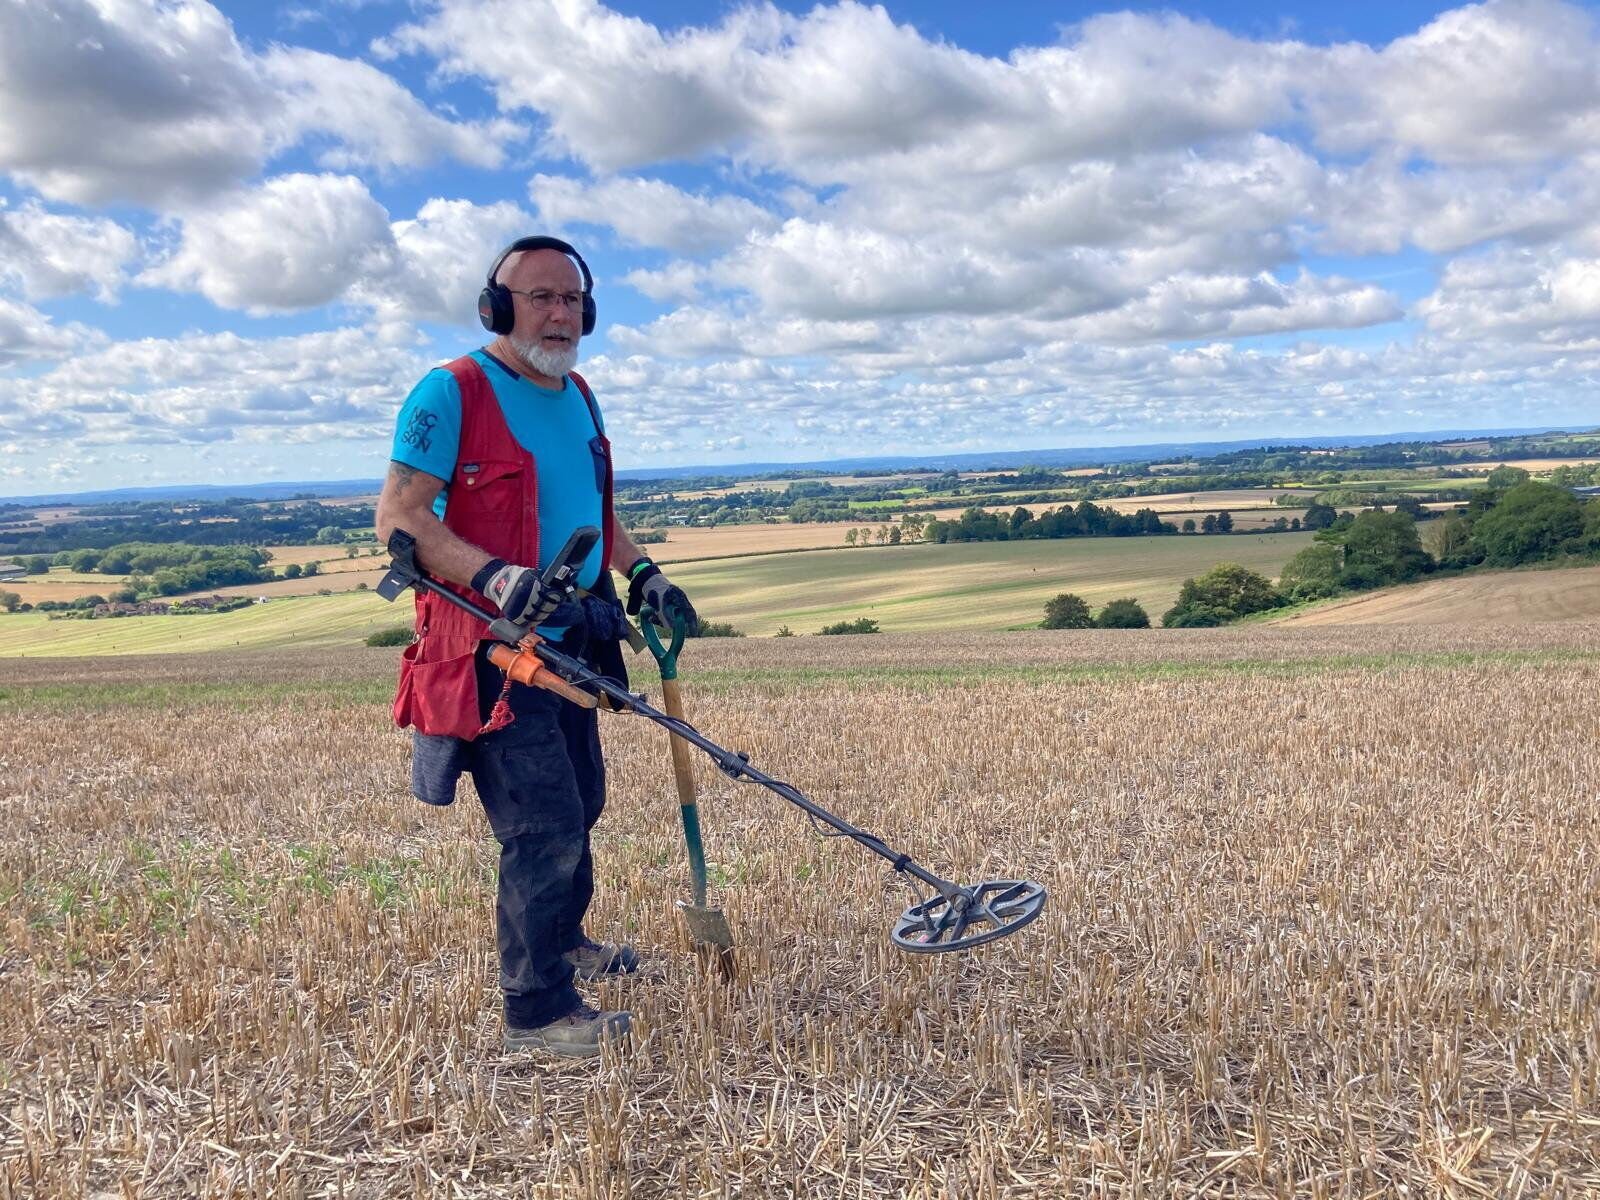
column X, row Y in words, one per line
column 1323, row 922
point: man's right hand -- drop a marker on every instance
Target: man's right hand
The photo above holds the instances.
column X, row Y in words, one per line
column 518, row 592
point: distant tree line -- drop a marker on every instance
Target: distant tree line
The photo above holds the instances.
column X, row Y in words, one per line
column 221, row 523
column 1085, row 520
column 163, row 569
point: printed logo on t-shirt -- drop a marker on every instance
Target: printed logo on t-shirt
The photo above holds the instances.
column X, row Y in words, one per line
column 419, row 429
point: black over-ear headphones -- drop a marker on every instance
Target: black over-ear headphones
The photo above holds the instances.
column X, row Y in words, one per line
column 495, row 301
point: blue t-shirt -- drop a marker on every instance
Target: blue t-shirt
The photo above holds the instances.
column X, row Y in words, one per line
column 554, row 426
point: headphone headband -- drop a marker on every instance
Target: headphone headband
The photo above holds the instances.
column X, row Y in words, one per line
column 494, row 302
column 542, row 242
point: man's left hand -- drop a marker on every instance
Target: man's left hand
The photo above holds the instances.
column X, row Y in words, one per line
column 649, row 586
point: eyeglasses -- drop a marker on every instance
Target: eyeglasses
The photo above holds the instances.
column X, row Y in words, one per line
column 550, row 301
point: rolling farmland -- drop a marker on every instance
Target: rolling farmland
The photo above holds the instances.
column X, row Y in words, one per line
column 905, row 588
column 309, row 620
column 970, row 585
column 1294, row 945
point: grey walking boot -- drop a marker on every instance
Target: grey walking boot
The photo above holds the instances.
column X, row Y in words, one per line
column 593, row 960
column 579, row 1034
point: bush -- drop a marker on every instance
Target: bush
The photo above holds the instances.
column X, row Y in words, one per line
column 292, row 571
column 859, row 625
column 1450, row 542
column 1228, row 591
column 1313, row 573
column 311, row 569
column 395, row 635
column 1533, row 521
column 10, row 601
column 39, row 564
column 1381, row 548
column 714, row 629
column 1196, row 616
column 1066, row 611
column 784, row 631
column 1123, row 614
column 1319, row 516
column 1506, row 477
column 191, row 609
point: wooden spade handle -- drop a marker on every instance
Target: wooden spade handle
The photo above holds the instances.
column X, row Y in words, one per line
column 672, row 700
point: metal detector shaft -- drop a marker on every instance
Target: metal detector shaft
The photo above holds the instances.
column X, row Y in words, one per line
column 732, row 763
column 960, row 918
column 406, row 573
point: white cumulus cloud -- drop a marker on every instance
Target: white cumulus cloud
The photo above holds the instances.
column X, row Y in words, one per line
column 157, row 102
column 649, row 212
column 294, row 242
column 48, row 254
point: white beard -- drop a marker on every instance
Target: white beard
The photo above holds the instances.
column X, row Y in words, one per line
column 551, row 363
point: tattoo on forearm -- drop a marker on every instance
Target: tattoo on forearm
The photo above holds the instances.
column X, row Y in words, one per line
column 402, row 475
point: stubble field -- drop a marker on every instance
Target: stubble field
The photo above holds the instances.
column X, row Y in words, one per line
column 1568, row 593
column 1323, row 922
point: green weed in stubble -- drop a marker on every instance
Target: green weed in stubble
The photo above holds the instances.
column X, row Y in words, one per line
column 929, row 679
column 238, row 696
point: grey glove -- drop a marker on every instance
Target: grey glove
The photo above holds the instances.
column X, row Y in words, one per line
column 518, row 592
column 647, row 585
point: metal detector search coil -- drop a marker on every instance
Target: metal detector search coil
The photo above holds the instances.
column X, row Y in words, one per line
column 982, row 913
column 956, row 918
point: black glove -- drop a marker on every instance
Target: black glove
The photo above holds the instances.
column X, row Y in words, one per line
column 647, row 585
column 518, row 592
column 605, row 619
column 573, row 616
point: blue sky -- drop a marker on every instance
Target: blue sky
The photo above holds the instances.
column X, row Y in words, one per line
column 232, row 237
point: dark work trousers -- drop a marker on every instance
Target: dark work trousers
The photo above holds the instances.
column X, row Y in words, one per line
column 542, row 783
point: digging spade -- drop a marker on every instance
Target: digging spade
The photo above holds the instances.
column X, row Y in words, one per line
column 707, row 926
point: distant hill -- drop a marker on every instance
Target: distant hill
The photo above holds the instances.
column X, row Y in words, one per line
column 318, row 490
column 1077, row 456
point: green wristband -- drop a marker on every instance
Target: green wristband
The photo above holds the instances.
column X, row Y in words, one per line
column 638, row 565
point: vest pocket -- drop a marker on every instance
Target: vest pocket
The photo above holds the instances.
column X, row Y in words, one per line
column 485, row 478
column 438, row 697
column 485, row 504
column 600, row 453
column 438, row 692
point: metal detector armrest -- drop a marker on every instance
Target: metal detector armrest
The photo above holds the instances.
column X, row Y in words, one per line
column 403, row 570
column 403, row 573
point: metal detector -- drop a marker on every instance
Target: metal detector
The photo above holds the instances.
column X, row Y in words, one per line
column 956, row 917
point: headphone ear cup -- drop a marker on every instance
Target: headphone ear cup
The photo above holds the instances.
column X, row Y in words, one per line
column 495, row 309
column 588, row 314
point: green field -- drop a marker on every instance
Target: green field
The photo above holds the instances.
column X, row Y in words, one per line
column 971, row 585
column 966, row 585
column 296, row 621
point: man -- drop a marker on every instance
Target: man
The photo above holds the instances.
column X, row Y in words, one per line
column 498, row 457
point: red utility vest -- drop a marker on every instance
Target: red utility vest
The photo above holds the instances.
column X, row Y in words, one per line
column 494, row 505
